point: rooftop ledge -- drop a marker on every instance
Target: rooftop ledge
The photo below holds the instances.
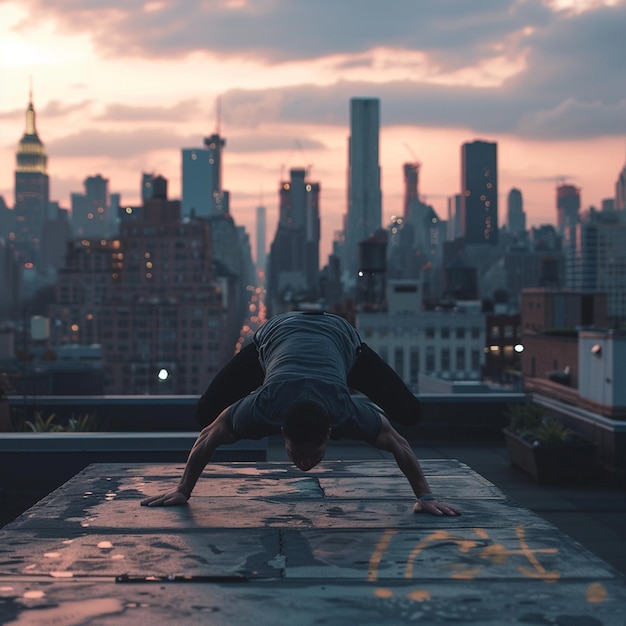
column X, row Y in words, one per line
column 107, row 441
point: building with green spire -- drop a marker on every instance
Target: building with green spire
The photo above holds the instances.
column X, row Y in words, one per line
column 31, row 183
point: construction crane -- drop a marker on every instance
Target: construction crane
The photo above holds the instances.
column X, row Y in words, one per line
column 410, row 151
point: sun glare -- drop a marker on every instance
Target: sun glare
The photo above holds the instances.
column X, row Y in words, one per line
column 579, row 6
column 42, row 48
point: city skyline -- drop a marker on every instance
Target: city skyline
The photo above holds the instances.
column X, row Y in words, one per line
column 121, row 93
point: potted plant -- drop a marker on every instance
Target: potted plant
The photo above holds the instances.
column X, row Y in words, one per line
column 544, row 448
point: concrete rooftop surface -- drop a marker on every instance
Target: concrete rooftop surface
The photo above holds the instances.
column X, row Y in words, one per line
column 263, row 543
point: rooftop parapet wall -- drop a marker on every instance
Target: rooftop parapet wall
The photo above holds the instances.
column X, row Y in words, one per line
column 458, row 415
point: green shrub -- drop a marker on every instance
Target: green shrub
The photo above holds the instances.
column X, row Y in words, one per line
column 552, row 432
column 536, row 425
column 524, row 417
column 51, row 424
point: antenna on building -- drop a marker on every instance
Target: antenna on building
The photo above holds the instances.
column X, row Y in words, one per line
column 30, row 89
column 406, row 145
column 218, row 115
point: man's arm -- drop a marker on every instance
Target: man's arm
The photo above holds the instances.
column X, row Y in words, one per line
column 391, row 441
column 209, row 439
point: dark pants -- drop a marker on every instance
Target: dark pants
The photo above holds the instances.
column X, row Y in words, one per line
column 369, row 375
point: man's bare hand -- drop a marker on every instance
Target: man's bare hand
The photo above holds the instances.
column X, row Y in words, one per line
column 435, row 508
column 173, row 498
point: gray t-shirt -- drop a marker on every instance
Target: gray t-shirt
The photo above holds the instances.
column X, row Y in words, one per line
column 305, row 357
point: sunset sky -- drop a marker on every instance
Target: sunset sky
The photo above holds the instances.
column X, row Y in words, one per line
column 120, row 86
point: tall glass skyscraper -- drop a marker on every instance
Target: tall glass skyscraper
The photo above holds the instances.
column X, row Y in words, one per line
column 202, row 193
column 479, row 192
column 516, row 218
column 364, row 193
column 567, row 207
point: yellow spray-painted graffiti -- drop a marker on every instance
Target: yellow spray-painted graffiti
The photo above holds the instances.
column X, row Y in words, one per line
column 481, row 547
column 377, row 555
column 486, row 553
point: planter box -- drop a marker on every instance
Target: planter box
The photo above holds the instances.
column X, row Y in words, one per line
column 553, row 464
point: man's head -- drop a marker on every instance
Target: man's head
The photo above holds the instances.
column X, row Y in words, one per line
column 306, row 428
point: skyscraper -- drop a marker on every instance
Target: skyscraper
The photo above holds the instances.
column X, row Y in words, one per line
column 31, row 183
column 454, row 216
column 516, row 218
column 479, row 192
column 411, row 185
column 196, row 182
column 214, row 144
column 567, row 207
column 620, row 191
column 261, row 251
column 146, row 186
column 294, row 256
column 202, row 192
column 90, row 211
column 364, row 193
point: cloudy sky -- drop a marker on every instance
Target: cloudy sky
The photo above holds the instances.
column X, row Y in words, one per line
column 120, row 86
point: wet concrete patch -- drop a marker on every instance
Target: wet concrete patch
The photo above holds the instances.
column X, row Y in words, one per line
column 258, row 512
column 220, row 553
column 397, row 487
column 294, row 602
